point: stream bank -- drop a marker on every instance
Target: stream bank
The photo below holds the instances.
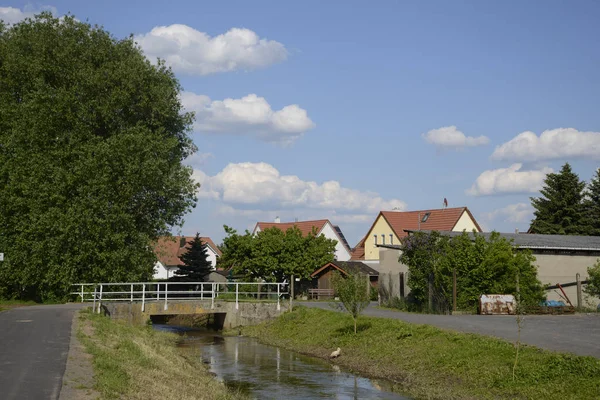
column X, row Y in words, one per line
column 427, row 362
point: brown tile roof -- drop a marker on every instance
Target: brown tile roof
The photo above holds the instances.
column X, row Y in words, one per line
column 169, row 248
column 358, row 252
column 440, row 219
column 305, row 227
column 347, row 267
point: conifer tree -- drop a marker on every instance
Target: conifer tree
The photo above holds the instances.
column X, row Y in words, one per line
column 196, row 265
column 559, row 210
column 591, row 206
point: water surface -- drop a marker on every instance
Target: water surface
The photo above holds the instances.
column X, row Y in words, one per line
column 267, row 372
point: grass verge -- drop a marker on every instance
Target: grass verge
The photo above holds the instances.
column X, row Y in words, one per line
column 430, row 363
column 133, row 362
column 8, row 304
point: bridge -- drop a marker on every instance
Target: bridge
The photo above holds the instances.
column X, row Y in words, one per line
column 231, row 304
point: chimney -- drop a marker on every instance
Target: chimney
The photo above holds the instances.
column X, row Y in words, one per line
column 182, row 241
column 277, row 220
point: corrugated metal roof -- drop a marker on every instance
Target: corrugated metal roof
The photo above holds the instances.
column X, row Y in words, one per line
column 537, row 241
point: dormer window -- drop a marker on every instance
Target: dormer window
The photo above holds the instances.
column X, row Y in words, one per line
column 425, row 217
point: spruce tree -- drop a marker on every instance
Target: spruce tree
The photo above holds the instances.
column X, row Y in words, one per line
column 591, row 206
column 559, row 210
column 196, row 265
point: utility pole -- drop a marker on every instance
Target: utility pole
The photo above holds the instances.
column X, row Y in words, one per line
column 291, row 292
column 579, row 297
column 454, row 290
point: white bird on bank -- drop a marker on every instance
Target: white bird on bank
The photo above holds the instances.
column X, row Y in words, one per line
column 336, row 353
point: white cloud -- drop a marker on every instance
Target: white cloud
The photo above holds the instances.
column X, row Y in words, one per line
column 450, row 137
column 249, row 115
column 260, row 186
column 550, row 145
column 515, row 213
column 508, row 180
column 12, row 15
column 193, row 52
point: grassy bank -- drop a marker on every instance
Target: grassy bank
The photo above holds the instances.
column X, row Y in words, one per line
column 429, row 363
column 132, row 362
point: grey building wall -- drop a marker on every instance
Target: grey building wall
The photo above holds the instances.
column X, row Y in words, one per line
column 392, row 273
column 556, row 268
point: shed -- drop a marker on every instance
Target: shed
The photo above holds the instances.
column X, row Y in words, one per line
column 322, row 276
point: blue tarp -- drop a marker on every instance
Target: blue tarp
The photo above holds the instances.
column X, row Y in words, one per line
column 553, row 303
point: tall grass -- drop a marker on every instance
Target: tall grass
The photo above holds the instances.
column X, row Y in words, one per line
column 132, row 362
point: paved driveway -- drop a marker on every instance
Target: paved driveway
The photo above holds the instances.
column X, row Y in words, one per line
column 34, row 343
column 578, row 333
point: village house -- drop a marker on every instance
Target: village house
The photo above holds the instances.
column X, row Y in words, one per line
column 321, row 227
column 390, row 226
column 169, row 249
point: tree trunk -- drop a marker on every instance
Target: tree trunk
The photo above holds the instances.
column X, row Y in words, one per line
column 355, row 326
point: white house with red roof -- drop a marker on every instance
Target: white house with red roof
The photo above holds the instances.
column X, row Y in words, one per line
column 168, row 249
column 322, row 227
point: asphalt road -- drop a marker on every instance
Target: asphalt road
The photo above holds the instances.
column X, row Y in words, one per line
column 34, row 343
column 578, row 333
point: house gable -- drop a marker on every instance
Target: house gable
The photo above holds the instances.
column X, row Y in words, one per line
column 395, row 223
column 322, row 226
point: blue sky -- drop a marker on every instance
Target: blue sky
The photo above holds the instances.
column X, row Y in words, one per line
column 339, row 109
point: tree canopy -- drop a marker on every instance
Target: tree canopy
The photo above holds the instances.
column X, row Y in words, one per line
column 482, row 267
column 560, row 209
column 92, row 139
column 196, row 265
column 274, row 255
column 591, row 206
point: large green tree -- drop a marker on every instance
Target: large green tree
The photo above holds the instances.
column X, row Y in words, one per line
column 559, row 210
column 196, row 265
column 483, row 266
column 274, row 255
column 591, row 206
column 92, row 139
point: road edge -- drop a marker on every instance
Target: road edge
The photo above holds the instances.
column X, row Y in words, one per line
column 78, row 379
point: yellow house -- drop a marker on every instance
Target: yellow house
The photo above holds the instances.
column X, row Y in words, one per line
column 389, row 227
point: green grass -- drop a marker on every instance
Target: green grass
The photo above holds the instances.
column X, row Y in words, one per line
column 430, row 363
column 137, row 362
column 8, row 304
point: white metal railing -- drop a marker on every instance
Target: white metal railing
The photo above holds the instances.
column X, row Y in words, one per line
column 144, row 292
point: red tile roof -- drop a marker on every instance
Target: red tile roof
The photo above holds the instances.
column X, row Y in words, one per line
column 169, row 248
column 358, row 252
column 305, row 227
column 440, row 219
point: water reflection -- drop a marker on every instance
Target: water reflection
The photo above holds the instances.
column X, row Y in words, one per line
column 267, row 372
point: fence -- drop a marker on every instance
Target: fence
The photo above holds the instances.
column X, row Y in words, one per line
column 169, row 291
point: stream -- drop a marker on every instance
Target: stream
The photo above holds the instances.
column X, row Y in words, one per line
column 267, row 372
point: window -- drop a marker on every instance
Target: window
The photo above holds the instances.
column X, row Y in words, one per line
column 375, row 239
column 391, row 238
column 425, row 217
column 382, row 238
